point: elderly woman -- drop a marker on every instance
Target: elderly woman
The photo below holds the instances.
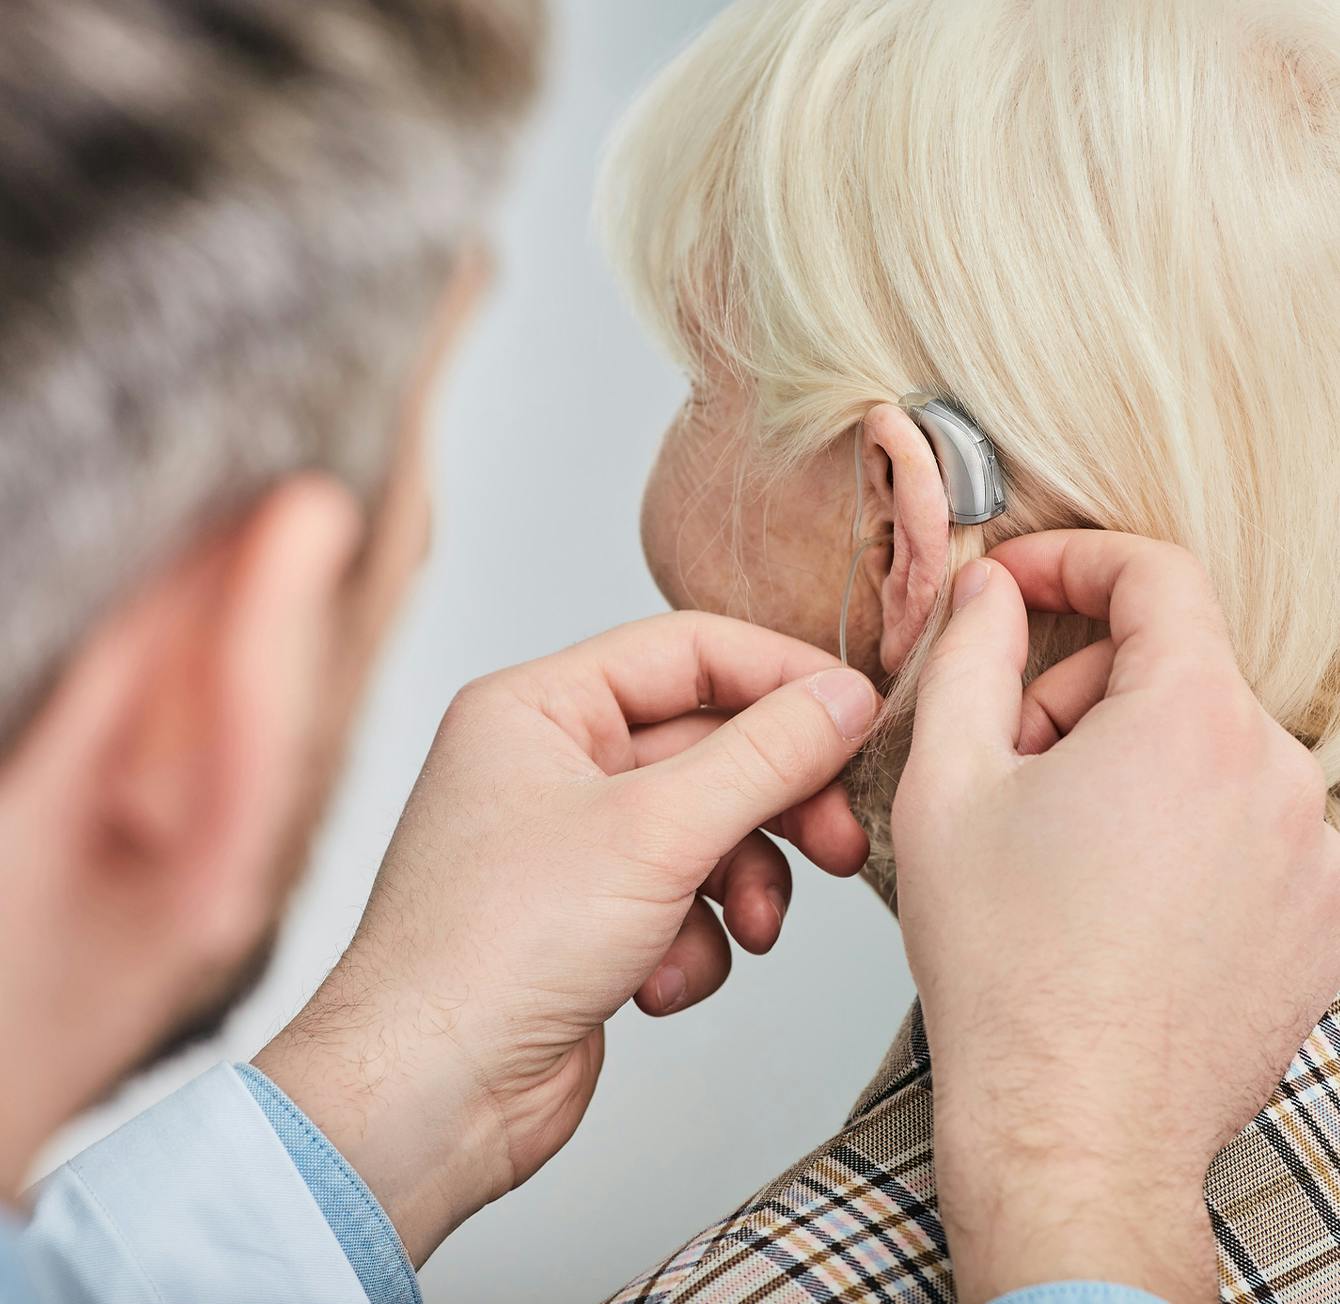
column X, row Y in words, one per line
column 1109, row 233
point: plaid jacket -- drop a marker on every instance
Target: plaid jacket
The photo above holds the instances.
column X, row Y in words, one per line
column 856, row 1220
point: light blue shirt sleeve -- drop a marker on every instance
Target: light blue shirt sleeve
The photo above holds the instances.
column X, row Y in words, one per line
column 196, row 1201
column 14, row 1287
column 367, row 1236
column 1080, row 1292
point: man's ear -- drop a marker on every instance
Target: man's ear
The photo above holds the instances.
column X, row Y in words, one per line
column 180, row 732
column 905, row 500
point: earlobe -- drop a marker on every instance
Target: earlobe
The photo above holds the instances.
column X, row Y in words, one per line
column 905, row 500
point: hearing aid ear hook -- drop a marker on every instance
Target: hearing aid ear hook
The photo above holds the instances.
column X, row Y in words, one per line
column 968, row 466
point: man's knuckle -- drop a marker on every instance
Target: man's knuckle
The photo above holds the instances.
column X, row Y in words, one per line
column 679, row 621
column 775, row 757
column 1188, row 560
column 688, row 627
column 758, row 762
column 474, row 696
column 1176, row 557
column 1209, row 717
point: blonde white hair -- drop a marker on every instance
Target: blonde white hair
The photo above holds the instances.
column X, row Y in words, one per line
column 1110, row 230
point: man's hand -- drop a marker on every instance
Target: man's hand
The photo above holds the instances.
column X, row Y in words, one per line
column 1121, row 906
column 552, row 863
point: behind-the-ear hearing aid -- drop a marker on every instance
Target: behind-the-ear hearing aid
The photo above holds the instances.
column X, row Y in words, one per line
column 967, row 459
column 973, row 484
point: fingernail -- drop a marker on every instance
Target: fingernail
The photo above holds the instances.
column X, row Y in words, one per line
column 670, row 986
column 972, row 579
column 848, row 698
column 779, row 904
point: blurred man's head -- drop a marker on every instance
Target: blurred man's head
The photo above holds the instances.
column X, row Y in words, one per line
column 235, row 243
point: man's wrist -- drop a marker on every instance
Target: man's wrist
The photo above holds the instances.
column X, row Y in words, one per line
column 409, row 1117
column 365, row 1233
column 1016, row 1219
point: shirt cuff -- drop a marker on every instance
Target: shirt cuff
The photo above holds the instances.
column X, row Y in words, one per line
column 365, row 1233
column 1079, row 1292
column 13, row 1284
column 195, row 1199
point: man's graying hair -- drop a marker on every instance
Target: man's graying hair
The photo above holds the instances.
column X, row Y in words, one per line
column 224, row 227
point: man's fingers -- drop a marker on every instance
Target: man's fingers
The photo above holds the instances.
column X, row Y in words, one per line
column 697, row 963
column 667, row 666
column 599, row 692
column 1155, row 596
column 822, row 828
column 752, row 884
column 1057, row 700
column 768, row 758
column 971, row 693
column 824, row 831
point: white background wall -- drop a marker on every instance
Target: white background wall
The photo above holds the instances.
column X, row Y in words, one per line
column 547, row 431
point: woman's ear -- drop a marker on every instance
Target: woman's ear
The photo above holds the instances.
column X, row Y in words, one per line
column 905, row 501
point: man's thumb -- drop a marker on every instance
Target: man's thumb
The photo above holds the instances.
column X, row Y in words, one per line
column 774, row 755
column 971, row 692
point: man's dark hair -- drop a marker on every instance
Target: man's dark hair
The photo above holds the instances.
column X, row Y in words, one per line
column 224, row 227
